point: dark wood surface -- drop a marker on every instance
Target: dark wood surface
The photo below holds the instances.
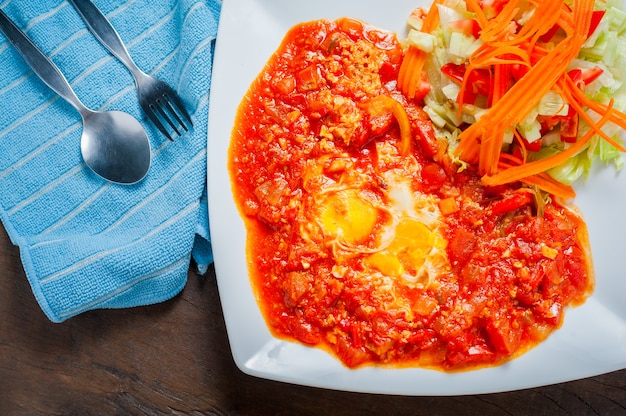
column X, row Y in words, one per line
column 174, row 358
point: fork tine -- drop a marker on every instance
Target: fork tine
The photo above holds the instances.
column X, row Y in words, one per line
column 158, row 106
column 167, row 103
column 163, row 107
column 149, row 110
column 175, row 99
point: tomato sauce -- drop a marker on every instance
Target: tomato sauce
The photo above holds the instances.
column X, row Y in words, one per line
column 378, row 254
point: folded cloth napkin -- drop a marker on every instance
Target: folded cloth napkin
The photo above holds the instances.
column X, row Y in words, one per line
column 86, row 243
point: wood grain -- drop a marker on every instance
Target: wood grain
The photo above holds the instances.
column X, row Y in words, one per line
column 173, row 358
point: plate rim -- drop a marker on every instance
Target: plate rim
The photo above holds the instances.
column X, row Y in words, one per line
column 270, row 358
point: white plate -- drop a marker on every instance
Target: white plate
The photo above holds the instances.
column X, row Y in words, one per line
column 592, row 340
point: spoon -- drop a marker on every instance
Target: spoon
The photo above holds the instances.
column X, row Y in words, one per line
column 113, row 143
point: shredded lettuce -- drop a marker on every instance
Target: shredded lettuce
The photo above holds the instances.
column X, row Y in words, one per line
column 609, row 39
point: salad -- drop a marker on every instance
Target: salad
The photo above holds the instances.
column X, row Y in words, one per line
column 526, row 90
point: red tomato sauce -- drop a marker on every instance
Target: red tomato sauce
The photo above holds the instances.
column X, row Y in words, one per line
column 378, row 255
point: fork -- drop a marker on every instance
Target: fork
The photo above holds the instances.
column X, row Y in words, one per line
column 158, row 100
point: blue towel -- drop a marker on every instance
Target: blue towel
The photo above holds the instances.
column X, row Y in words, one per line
column 86, row 243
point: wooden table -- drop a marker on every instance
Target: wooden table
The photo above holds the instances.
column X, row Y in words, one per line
column 174, row 358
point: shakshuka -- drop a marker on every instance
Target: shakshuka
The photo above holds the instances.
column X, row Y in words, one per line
column 366, row 239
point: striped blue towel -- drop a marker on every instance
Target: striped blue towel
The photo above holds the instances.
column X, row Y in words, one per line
column 86, row 243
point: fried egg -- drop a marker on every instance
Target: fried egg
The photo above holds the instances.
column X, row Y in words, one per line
column 395, row 232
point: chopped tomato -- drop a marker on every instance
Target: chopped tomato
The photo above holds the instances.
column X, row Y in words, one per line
column 352, row 27
column 433, row 177
column 309, row 78
column 504, row 335
column 462, row 245
column 349, row 354
column 388, row 71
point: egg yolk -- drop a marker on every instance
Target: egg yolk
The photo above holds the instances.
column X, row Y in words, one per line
column 347, row 215
column 407, row 252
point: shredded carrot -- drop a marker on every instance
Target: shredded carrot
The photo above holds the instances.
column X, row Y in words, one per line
column 417, row 61
column 521, row 145
column 578, row 99
column 546, row 15
column 550, row 185
column 408, row 65
column 543, row 181
column 535, row 167
column 486, row 55
column 519, row 100
column 501, row 25
column 474, row 7
column 410, row 74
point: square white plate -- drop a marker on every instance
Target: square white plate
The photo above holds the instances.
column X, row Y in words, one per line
column 592, row 340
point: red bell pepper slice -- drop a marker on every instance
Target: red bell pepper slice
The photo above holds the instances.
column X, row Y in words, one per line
column 518, row 71
column 569, row 126
column 596, row 18
column 547, row 37
column 585, row 76
column 532, row 147
column 569, row 123
column 478, row 81
column 511, row 203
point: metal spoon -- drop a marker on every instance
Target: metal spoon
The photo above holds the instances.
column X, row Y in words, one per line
column 113, row 144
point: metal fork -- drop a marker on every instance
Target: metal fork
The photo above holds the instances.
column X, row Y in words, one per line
column 158, row 100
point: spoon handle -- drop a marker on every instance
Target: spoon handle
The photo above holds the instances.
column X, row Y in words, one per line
column 105, row 32
column 40, row 63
